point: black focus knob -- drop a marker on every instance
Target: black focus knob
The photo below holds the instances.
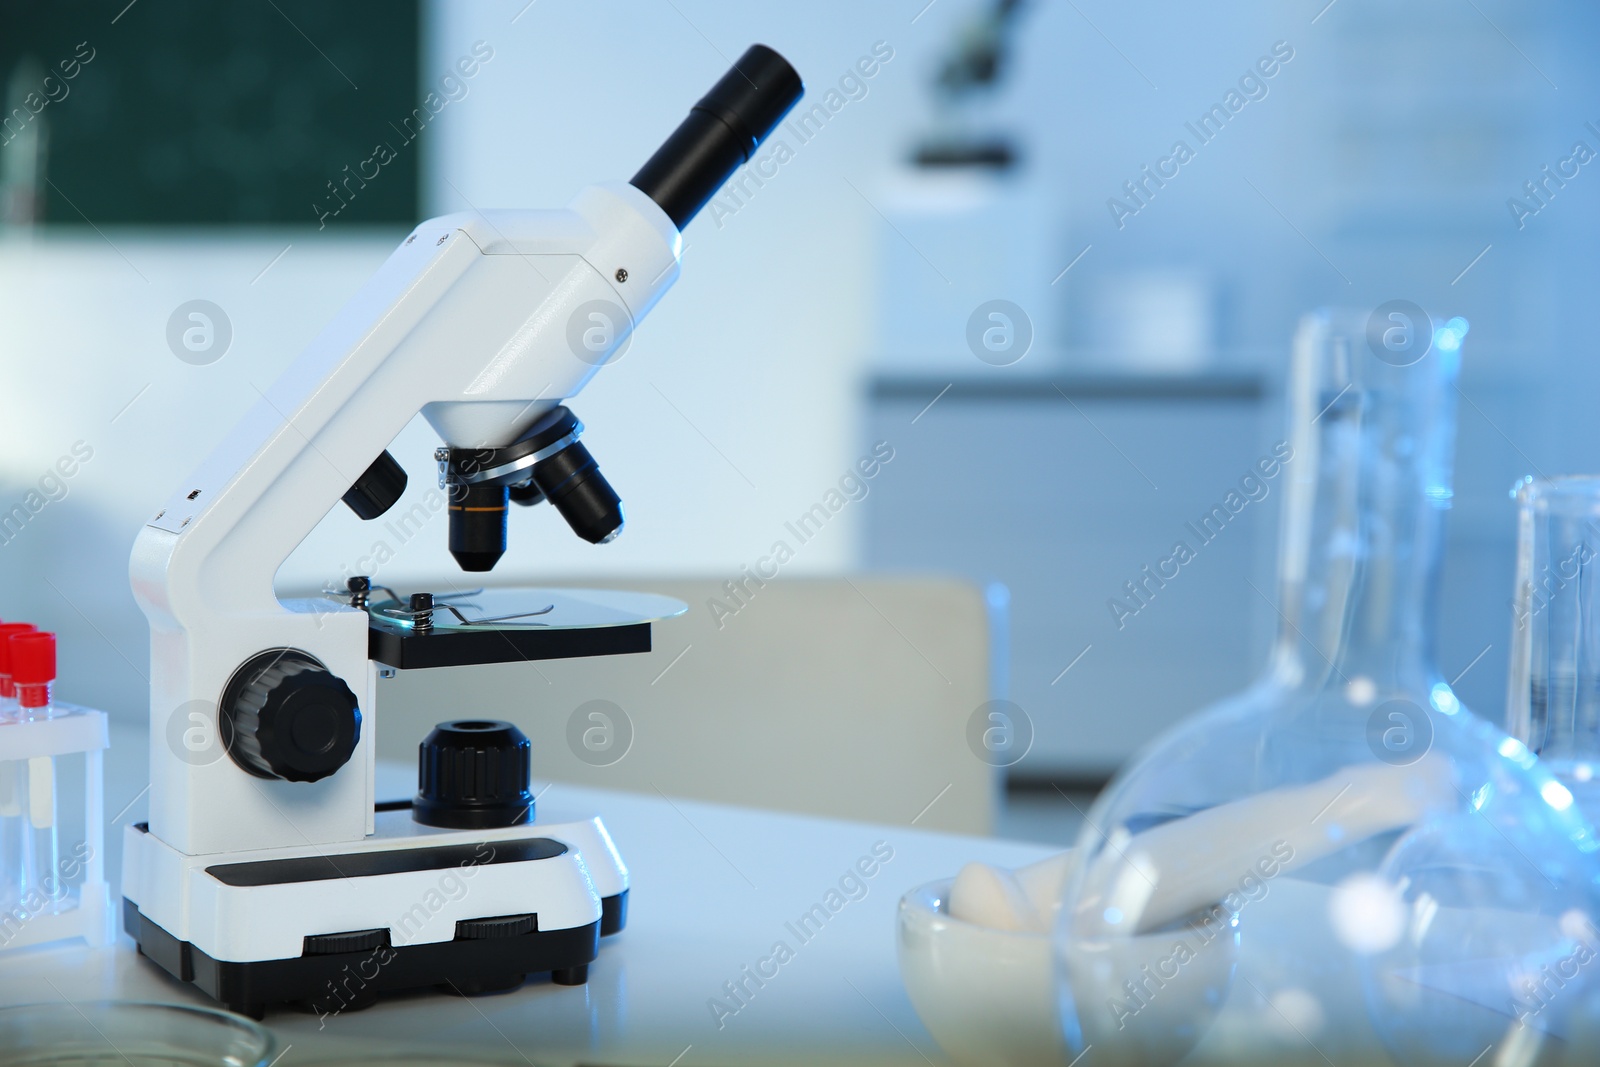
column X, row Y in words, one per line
column 378, row 488
column 472, row 774
column 285, row 716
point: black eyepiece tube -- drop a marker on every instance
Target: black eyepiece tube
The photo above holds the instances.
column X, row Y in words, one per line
column 721, row 133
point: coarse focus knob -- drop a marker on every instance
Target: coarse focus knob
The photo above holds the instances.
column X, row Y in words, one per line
column 472, row 774
column 378, row 489
column 285, row 716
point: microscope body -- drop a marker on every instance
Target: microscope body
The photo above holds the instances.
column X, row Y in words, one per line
column 261, row 889
column 267, row 870
column 467, row 322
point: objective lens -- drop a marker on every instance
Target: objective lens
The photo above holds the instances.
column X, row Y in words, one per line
column 477, row 525
column 571, row 480
column 527, row 495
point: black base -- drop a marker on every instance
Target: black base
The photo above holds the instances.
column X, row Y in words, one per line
column 333, row 982
column 613, row 913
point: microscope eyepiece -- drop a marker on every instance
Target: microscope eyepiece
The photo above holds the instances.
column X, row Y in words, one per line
column 721, row 133
column 546, row 463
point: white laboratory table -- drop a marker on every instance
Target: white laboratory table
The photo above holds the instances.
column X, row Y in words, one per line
column 712, row 890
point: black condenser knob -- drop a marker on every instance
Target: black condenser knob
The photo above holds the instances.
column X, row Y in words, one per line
column 472, row 774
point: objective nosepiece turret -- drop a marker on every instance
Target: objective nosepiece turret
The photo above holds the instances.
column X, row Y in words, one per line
column 548, row 462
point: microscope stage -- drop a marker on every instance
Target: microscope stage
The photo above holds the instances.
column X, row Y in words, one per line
column 512, row 625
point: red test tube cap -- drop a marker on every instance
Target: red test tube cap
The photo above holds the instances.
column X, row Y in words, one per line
column 33, row 658
column 7, row 631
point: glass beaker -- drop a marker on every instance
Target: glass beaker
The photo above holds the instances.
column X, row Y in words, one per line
column 1553, row 698
column 1393, row 871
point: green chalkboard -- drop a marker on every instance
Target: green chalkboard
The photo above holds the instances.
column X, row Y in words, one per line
column 174, row 112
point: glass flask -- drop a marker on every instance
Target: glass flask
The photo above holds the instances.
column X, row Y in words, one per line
column 1553, row 703
column 1389, row 873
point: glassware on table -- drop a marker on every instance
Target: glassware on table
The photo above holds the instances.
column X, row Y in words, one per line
column 1394, row 872
column 118, row 1033
column 32, row 659
column 14, row 844
column 52, row 864
column 1553, row 699
column 413, row 1058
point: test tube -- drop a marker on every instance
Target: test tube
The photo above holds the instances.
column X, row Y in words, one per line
column 14, row 860
column 1553, row 701
column 8, row 688
column 12, row 853
column 33, row 670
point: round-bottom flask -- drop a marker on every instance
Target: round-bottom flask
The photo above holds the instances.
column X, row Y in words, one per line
column 1394, row 874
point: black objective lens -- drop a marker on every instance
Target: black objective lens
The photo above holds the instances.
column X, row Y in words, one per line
column 477, row 525
column 571, row 480
column 526, row 494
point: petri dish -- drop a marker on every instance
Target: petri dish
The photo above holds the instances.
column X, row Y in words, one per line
column 411, row 1059
column 130, row 1034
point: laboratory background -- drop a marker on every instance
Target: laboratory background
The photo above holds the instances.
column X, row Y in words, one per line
column 995, row 318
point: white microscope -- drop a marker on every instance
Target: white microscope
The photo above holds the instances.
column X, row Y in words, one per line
column 266, row 874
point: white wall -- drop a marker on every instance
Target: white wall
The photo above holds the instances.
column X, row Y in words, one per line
column 84, row 358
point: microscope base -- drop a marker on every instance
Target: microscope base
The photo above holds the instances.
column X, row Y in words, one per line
column 327, row 929
column 349, row 981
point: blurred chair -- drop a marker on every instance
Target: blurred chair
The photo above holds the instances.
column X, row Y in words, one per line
column 847, row 698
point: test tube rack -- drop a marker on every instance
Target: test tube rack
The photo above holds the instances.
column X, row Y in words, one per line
column 41, row 916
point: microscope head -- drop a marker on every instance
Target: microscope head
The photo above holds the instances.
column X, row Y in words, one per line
column 545, row 460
